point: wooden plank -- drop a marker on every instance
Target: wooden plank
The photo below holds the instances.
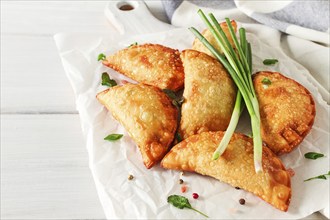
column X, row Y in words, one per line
column 32, row 77
column 48, row 18
column 44, row 169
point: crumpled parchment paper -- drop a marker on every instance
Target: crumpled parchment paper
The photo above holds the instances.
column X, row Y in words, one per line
column 146, row 195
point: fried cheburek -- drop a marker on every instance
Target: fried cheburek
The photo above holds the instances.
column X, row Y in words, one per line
column 148, row 116
column 199, row 46
column 209, row 94
column 151, row 64
column 234, row 167
column 287, row 111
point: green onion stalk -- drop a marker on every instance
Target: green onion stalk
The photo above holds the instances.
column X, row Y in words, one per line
column 239, row 65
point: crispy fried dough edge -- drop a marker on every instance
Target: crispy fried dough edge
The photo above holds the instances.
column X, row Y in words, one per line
column 295, row 144
column 164, row 99
column 176, row 61
column 266, row 154
column 191, row 54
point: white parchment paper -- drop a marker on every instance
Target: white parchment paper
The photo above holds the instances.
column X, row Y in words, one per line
column 145, row 197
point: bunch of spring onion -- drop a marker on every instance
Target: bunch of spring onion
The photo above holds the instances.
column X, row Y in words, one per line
column 238, row 63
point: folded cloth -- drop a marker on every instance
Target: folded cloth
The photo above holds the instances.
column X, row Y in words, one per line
column 299, row 28
column 305, row 19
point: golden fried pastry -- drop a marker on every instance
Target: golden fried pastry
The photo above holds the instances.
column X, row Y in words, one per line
column 150, row 64
column 148, row 116
column 287, row 111
column 209, row 94
column 199, row 46
column 234, row 167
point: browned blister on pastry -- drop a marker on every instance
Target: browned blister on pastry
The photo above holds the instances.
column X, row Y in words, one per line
column 150, row 64
column 234, row 167
column 287, row 111
column 209, row 94
column 199, row 46
column 148, row 116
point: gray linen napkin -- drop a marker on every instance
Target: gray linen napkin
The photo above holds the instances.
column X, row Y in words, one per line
column 300, row 18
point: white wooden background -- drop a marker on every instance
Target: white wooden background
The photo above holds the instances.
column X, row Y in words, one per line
column 44, row 166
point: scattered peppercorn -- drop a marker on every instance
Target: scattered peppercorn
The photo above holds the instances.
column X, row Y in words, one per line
column 183, row 188
column 181, row 181
column 130, row 177
column 242, row 201
column 195, row 195
column 291, row 172
column 237, row 187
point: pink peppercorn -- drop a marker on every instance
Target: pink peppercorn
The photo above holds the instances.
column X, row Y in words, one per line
column 291, row 172
column 195, row 195
column 183, row 188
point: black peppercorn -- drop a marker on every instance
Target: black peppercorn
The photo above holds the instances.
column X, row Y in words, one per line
column 242, row 201
column 130, row 177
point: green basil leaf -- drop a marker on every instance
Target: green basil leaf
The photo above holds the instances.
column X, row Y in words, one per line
column 133, row 44
column 113, row 137
column 270, row 61
column 171, row 94
column 176, row 101
column 316, row 177
column 323, row 177
column 182, row 202
column 106, row 81
column 101, row 56
column 313, row 155
column 266, row 81
column 179, row 201
column 178, row 137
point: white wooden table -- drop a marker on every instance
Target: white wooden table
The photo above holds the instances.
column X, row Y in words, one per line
column 44, row 166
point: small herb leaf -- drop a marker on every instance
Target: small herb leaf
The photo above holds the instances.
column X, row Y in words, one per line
column 101, row 56
column 113, row 137
column 106, row 81
column 313, row 155
column 266, row 81
column 180, row 100
column 182, row 202
column 323, row 177
column 179, row 201
column 178, row 137
column 170, row 93
column 270, row 61
column 176, row 101
column 316, row 177
column 133, row 44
